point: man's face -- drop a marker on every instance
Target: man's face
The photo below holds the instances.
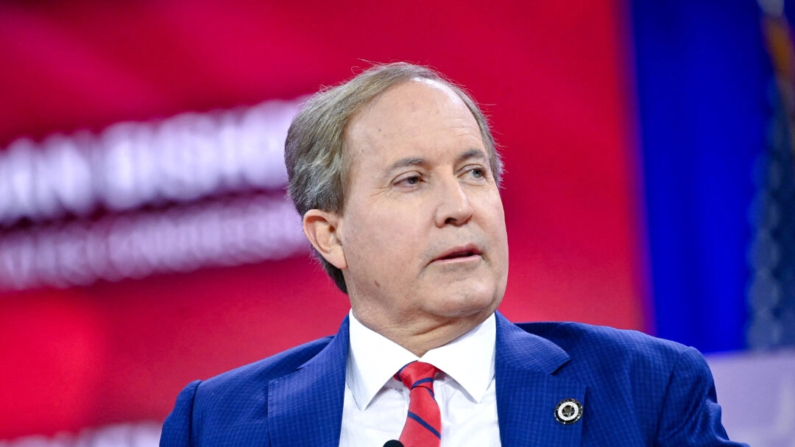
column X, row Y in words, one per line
column 423, row 229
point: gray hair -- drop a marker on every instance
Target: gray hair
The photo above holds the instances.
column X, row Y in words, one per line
column 315, row 155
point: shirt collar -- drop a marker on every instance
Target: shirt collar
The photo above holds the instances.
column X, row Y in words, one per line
column 373, row 359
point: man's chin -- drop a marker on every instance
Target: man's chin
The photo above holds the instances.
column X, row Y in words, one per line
column 466, row 306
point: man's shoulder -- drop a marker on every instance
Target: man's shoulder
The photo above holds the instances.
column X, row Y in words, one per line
column 639, row 387
column 247, row 379
column 594, row 346
column 225, row 407
column 567, row 334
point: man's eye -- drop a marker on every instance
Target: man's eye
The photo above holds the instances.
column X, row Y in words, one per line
column 478, row 173
column 413, row 180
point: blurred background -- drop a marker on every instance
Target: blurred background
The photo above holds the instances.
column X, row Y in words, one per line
column 145, row 240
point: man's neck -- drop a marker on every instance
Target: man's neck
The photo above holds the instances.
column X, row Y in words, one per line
column 420, row 335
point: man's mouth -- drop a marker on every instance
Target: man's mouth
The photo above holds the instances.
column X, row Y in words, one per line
column 464, row 252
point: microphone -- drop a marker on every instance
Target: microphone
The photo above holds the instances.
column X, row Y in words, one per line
column 393, row 443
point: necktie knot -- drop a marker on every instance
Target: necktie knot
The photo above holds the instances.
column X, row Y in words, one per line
column 417, row 374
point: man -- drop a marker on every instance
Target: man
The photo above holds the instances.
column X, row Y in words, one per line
column 396, row 177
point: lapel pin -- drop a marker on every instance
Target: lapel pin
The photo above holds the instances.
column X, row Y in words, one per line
column 568, row 411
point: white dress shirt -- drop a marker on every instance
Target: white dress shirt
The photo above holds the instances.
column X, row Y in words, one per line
column 376, row 404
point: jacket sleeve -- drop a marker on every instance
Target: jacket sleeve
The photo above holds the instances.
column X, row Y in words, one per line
column 178, row 425
column 691, row 415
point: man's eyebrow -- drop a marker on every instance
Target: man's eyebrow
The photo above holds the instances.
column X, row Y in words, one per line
column 472, row 153
column 418, row 161
column 408, row 161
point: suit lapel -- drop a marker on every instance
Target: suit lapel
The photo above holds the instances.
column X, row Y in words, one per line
column 528, row 390
column 305, row 408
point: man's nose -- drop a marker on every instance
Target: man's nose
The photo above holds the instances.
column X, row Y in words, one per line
column 454, row 207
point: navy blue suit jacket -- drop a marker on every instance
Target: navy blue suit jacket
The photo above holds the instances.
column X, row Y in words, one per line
column 635, row 390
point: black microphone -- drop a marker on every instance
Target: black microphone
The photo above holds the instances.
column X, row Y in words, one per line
column 393, row 443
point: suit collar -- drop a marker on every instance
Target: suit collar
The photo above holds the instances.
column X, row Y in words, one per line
column 305, row 407
column 522, row 350
column 528, row 389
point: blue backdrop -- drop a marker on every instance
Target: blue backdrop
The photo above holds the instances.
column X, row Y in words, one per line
column 702, row 75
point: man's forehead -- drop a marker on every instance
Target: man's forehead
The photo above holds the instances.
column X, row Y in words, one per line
column 406, row 122
column 409, row 104
column 441, row 86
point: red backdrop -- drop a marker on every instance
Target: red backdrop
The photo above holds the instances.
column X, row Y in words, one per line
column 553, row 77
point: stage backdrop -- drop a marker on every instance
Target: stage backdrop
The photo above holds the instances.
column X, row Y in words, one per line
column 145, row 240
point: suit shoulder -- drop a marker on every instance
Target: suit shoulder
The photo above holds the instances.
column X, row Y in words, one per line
column 221, row 408
column 602, row 344
column 661, row 391
column 238, row 381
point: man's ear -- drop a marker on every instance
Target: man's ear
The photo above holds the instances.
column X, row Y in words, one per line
column 322, row 228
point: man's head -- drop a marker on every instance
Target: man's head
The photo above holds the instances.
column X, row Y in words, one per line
column 396, row 177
